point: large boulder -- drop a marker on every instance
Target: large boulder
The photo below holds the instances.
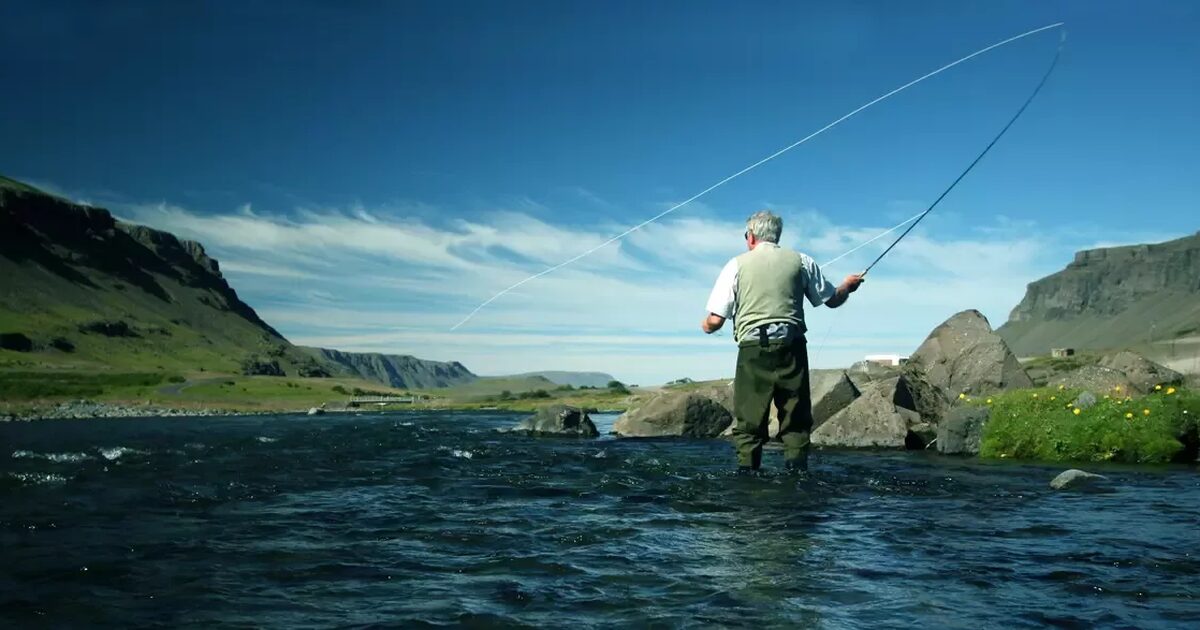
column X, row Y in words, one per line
column 871, row 421
column 1141, row 372
column 963, row 354
column 961, row 432
column 558, row 421
column 899, row 412
column 680, row 414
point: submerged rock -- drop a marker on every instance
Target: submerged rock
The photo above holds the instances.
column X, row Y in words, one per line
column 1075, row 478
column 961, row 432
column 558, row 421
column 964, row 354
column 682, row 414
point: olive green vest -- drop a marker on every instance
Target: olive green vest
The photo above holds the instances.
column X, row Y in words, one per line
column 770, row 288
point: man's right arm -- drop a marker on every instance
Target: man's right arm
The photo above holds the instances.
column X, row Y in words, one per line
column 848, row 286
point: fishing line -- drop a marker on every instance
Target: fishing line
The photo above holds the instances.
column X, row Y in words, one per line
column 922, row 215
column 750, row 168
column 1032, row 95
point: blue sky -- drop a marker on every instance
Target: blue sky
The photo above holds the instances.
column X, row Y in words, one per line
column 368, row 172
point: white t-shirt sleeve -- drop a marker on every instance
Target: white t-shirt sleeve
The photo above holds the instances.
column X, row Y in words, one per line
column 818, row 289
column 723, row 299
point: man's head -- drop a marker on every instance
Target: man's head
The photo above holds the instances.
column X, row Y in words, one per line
column 763, row 227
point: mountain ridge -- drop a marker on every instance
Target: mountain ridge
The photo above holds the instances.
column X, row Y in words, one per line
column 1110, row 298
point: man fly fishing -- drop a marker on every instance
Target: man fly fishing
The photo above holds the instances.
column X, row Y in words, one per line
column 763, row 291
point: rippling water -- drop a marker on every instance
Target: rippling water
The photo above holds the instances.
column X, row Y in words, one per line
column 438, row 519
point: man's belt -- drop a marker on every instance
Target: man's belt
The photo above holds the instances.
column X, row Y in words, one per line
column 777, row 331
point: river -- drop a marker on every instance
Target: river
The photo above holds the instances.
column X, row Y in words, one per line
column 437, row 519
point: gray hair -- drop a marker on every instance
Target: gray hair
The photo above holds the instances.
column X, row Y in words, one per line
column 765, row 226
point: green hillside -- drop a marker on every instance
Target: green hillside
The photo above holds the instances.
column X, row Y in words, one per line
column 82, row 290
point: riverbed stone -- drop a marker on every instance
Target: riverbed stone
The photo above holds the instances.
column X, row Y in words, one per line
column 559, row 421
column 1075, row 479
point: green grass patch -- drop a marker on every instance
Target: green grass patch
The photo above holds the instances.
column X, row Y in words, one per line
column 35, row 385
column 1042, row 424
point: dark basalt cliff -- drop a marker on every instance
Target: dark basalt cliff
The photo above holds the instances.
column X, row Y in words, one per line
column 1111, row 298
column 402, row 371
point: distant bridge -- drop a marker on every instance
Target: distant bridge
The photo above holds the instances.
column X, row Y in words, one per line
column 382, row 400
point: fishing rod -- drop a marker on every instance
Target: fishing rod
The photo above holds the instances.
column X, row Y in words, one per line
column 753, row 166
column 1032, row 95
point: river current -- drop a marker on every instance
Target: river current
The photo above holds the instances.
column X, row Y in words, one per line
column 439, row 520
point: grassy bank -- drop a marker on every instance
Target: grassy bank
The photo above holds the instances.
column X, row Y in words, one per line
column 1045, row 424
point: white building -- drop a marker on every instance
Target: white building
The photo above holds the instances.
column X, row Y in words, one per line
column 886, row 359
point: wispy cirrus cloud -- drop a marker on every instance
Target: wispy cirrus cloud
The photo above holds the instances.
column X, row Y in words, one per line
column 395, row 279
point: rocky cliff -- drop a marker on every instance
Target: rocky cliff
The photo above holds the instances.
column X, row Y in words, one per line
column 401, row 371
column 1112, row 298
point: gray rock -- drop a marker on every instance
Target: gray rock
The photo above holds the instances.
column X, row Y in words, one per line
column 1086, row 400
column 682, row 414
column 315, row 411
column 832, row 391
column 961, row 432
column 1141, row 372
column 963, row 354
column 1075, row 478
column 1093, row 378
column 863, row 373
column 872, row 421
column 559, row 421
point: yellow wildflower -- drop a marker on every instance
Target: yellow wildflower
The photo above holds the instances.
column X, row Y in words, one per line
column 1117, row 388
column 1128, row 415
column 1035, row 395
column 1170, row 390
column 1061, row 387
column 1053, row 397
column 1158, row 388
column 1145, row 412
column 962, row 396
column 1076, row 411
column 989, row 401
column 1106, row 397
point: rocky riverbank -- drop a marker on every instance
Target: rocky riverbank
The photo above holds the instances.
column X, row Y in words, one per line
column 943, row 399
column 88, row 409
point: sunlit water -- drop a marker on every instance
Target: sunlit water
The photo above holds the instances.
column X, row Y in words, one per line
column 438, row 519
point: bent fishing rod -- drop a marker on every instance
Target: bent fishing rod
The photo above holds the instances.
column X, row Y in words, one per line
column 1024, row 106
